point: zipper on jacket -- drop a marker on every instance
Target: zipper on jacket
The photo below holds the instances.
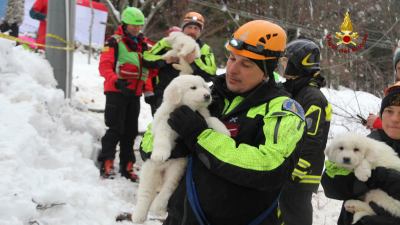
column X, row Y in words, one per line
column 278, row 123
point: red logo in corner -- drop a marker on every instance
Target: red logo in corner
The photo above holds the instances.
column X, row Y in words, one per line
column 347, row 40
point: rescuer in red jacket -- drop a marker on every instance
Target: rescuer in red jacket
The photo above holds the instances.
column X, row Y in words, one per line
column 125, row 79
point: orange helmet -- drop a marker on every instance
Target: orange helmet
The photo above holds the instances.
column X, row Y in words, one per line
column 259, row 40
column 193, row 18
column 391, row 88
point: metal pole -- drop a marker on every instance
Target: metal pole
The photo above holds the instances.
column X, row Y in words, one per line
column 60, row 34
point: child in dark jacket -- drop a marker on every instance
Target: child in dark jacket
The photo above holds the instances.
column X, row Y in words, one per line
column 341, row 184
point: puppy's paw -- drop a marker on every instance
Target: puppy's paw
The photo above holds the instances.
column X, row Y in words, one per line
column 353, row 206
column 160, row 156
column 217, row 125
column 183, row 67
column 139, row 219
column 358, row 215
column 362, row 175
column 158, row 212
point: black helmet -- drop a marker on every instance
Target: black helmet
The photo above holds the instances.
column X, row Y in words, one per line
column 303, row 58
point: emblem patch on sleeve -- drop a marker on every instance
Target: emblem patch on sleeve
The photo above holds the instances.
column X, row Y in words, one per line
column 293, row 106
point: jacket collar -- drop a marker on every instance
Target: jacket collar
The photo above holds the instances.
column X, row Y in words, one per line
column 262, row 93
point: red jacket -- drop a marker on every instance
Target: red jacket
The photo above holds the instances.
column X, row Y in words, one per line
column 40, row 6
column 377, row 123
column 107, row 65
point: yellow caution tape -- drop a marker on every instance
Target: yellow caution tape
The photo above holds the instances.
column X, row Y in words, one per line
column 68, row 47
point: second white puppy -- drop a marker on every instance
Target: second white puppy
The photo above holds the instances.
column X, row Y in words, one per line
column 182, row 45
column 362, row 154
column 188, row 90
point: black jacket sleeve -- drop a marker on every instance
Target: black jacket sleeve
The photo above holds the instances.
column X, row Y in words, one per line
column 386, row 179
column 342, row 187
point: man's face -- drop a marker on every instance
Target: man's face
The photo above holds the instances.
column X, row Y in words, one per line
column 133, row 30
column 242, row 74
column 398, row 71
column 193, row 31
column 391, row 121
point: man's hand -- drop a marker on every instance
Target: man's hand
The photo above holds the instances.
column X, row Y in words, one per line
column 122, row 85
column 370, row 120
column 171, row 59
column 189, row 58
column 149, row 97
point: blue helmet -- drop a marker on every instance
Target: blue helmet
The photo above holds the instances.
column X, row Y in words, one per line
column 303, row 58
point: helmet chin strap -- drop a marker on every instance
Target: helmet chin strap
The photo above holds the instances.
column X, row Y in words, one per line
column 269, row 69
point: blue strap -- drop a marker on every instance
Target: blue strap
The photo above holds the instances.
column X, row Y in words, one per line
column 198, row 211
column 192, row 195
column 260, row 218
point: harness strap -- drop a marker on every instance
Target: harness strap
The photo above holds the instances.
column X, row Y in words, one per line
column 140, row 69
column 192, row 195
column 195, row 204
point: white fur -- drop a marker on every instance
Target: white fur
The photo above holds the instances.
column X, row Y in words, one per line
column 361, row 155
column 187, row 90
column 182, row 45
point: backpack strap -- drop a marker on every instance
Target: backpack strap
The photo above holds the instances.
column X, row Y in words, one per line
column 114, row 44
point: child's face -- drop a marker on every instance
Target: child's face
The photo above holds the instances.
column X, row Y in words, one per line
column 391, row 121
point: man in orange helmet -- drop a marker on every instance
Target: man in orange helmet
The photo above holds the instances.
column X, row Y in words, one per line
column 237, row 179
column 204, row 66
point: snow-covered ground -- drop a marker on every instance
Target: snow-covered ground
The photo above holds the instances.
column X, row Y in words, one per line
column 47, row 145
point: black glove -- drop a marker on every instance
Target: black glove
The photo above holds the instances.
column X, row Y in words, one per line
column 188, row 124
column 151, row 99
column 359, row 188
column 378, row 176
column 386, row 179
column 379, row 210
column 378, row 220
column 122, row 85
column 180, row 150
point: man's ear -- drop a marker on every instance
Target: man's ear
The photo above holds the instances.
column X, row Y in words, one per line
column 173, row 94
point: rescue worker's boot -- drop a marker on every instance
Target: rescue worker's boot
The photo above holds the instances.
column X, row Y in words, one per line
column 129, row 172
column 107, row 169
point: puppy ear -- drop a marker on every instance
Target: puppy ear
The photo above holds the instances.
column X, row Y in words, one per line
column 173, row 94
column 371, row 149
column 171, row 38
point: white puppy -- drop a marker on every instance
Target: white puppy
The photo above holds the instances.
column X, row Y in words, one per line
column 188, row 90
column 182, row 45
column 362, row 154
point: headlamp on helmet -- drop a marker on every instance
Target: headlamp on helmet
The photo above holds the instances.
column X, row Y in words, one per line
column 193, row 18
column 259, row 40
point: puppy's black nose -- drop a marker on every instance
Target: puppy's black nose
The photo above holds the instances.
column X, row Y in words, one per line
column 346, row 160
column 207, row 97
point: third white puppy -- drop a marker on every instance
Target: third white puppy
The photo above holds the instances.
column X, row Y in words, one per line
column 362, row 154
column 188, row 90
column 182, row 45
